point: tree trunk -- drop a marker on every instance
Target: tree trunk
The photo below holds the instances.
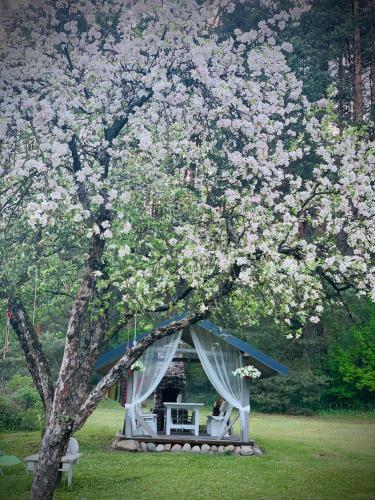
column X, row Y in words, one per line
column 357, row 83
column 372, row 70
column 340, row 95
column 53, row 448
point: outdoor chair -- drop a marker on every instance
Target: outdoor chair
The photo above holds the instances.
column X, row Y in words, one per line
column 8, row 461
column 217, row 424
column 149, row 419
column 67, row 462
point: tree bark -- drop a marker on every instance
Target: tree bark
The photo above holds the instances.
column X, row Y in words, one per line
column 340, row 96
column 372, row 87
column 357, row 83
column 53, row 447
column 67, row 396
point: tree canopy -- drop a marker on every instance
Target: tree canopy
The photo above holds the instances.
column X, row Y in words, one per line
column 152, row 161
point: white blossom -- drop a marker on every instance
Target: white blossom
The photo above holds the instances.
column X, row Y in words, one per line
column 124, row 250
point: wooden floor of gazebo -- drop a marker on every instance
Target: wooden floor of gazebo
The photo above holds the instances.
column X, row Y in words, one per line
column 182, row 438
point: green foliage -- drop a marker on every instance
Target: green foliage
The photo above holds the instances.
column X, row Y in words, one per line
column 198, row 387
column 331, row 366
column 14, row 361
column 351, row 362
column 53, row 346
column 298, row 393
column 20, row 405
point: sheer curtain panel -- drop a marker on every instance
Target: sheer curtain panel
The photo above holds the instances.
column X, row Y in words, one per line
column 153, row 365
column 219, row 360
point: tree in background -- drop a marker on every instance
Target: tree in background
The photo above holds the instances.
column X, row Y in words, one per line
column 330, row 365
column 333, row 45
column 351, row 361
column 323, row 58
column 150, row 162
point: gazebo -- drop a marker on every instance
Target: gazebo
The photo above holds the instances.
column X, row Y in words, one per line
column 220, row 354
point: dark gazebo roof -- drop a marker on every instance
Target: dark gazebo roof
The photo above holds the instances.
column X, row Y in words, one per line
column 267, row 365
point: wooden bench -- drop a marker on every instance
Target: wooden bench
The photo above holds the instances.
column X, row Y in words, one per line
column 67, row 461
column 217, row 424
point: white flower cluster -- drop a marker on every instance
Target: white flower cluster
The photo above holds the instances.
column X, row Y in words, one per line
column 248, row 371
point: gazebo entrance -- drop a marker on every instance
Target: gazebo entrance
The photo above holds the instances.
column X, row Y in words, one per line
column 219, row 360
column 173, row 419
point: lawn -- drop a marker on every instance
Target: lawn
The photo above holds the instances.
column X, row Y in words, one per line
column 307, row 458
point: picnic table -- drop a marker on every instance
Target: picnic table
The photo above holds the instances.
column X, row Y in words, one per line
column 191, row 424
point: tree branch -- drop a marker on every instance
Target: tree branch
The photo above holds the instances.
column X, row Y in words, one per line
column 72, row 350
column 121, row 367
column 166, row 307
column 36, row 361
column 113, row 131
column 337, row 289
column 82, row 195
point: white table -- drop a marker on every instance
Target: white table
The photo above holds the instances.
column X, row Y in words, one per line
column 194, row 425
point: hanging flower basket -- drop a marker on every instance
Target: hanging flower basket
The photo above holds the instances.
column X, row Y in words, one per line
column 248, row 372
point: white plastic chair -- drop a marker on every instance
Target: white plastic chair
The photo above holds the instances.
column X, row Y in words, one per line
column 67, row 462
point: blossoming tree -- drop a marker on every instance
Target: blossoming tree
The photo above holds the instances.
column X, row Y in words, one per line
column 150, row 163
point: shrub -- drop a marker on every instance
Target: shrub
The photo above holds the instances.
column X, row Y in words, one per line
column 297, row 393
column 20, row 405
column 351, row 363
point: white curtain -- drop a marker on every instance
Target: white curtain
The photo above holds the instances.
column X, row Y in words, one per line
column 155, row 362
column 219, row 360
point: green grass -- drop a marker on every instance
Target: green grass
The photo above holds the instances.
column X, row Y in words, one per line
column 307, row 458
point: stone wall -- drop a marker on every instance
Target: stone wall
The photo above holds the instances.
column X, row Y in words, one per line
column 132, row 445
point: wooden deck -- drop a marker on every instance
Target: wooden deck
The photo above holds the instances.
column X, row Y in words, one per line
column 182, row 438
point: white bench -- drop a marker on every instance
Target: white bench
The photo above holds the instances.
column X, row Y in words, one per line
column 67, row 462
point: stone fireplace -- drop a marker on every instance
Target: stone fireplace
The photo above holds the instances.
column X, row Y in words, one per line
column 171, row 388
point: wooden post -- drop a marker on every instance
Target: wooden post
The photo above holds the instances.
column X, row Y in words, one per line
column 128, row 431
column 246, row 401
